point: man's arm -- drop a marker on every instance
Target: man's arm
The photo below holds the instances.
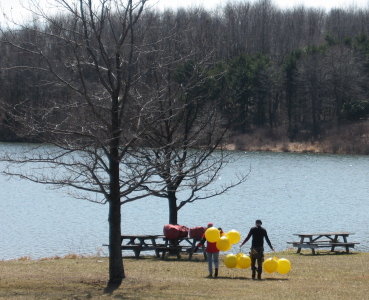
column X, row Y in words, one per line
column 268, row 241
column 247, row 238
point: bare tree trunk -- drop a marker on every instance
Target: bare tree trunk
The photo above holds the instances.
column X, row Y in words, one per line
column 116, row 269
column 173, row 212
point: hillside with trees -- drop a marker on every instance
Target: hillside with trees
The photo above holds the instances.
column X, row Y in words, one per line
column 275, row 77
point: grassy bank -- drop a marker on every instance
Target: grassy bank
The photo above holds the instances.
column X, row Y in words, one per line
column 323, row 276
column 346, row 139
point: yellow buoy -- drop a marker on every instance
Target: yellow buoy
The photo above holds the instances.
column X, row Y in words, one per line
column 270, row 265
column 223, row 244
column 244, row 261
column 284, row 266
column 212, row 235
column 233, row 236
column 230, row 261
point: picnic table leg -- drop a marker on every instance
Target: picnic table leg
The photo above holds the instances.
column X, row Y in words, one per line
column 335, row 239
column 301, row 241
column 137, row 252
column 157, row 253
column 347, row 246
column 312, row 249
column 164, row 250
column 191, row 250
column 177, row 249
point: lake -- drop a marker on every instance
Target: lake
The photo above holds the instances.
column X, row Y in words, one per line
column 289, row 192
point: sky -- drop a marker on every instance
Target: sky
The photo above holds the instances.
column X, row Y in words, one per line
column 326, row 4
column 16, row 8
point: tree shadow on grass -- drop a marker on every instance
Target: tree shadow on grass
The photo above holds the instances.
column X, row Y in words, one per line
column 112, row 286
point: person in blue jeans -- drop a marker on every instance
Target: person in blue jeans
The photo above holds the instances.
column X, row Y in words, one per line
column 212, row 253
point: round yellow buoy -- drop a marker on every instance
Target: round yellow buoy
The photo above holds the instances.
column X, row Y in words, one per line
column 270, row 265
column 233, row 236
column 284, row 266
column 244, row 261
column 238, row 255
column 223, row 244
column 212, row 235
column 230, row 261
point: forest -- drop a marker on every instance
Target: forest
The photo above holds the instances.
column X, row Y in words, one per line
column 273, row 75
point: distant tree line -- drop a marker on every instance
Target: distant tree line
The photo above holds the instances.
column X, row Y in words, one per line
column 301, row 69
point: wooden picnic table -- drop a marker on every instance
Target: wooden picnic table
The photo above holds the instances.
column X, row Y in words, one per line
column 160, row 245
column 324, row 239
column 181, row 244
column 138, row 243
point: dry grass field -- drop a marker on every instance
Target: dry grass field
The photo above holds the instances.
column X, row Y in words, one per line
column 322, row 276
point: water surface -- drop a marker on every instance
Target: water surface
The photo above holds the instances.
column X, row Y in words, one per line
column 291, row 193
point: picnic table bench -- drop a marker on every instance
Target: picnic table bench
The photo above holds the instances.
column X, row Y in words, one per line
column 139, row 243
column 316, row 240
column 181, row 244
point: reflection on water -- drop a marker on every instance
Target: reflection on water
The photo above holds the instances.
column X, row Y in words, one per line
column 291, row 193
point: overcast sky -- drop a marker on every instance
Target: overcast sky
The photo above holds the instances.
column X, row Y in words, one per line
column 16, row 8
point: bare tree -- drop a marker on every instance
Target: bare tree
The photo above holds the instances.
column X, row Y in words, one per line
column 185, row 144
column 93, row 49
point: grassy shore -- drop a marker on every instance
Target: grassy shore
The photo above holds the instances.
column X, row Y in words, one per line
column 323, row 276
column 345, row 139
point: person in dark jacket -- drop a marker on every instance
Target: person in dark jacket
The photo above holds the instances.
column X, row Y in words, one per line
column 212, row 253
column 258, row 234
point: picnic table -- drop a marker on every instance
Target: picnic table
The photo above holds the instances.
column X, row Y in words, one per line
column 138, row 243
column 324, row 239
column 160, row 245
column 181, row 244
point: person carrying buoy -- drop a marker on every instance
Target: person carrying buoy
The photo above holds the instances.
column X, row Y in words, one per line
column 258, row 234
column 212, row 252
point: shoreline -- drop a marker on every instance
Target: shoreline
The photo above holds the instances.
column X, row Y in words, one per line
column 296, row 147
column 350, row 139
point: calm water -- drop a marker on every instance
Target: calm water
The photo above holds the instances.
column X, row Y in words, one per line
column 291, row 193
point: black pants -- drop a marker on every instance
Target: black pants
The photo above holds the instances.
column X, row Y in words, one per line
column 257, row 255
